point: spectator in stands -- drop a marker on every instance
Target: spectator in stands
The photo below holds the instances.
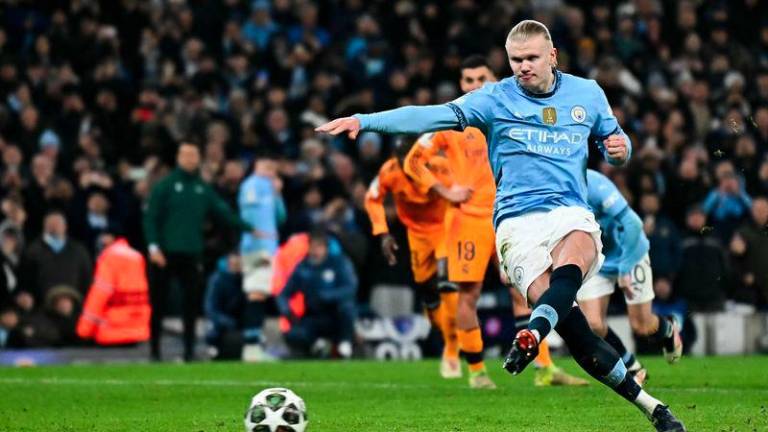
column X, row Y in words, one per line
column 53, row 325
column 329, row 284
column 36, row 194
column 688, row 187
column 742, row 283
column 260, row 27
column 54, row 259
column 9, row 332
column 760, row 125
column 13, row 173
column 762, row 176
column 703, row 273
column 173, row 227
column 751, row 245
column 116, row 310
column 95, row 222
column 225, row 303
column 62, row 308
column 727, row 205
column 664, row 238
column 10, row 255
column 747, row 163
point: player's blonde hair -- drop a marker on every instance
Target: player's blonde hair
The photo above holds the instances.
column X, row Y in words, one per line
column 526, row 29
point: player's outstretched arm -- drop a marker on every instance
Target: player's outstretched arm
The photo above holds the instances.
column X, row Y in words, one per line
column 404, row 120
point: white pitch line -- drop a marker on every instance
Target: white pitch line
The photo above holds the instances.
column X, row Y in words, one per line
column 259, row 383
column 206, row 383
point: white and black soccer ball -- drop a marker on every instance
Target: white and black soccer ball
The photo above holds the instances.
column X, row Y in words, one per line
column 276, row 410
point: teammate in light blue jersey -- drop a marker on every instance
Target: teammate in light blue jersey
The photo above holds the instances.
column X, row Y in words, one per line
column 538, row 125
column 262, row 206
column 625, row 247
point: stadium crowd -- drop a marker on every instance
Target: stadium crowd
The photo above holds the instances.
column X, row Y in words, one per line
column 97, row 96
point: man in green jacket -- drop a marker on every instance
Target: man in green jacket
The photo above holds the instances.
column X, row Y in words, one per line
column 173, row 227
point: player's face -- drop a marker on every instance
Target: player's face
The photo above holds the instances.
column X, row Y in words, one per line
column 532, row 61
column 474, row 78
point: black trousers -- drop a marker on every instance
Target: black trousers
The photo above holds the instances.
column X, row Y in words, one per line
column 188, row 271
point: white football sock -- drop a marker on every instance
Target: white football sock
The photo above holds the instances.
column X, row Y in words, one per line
column 646, row 402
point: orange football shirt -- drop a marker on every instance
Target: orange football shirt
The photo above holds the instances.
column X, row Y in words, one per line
column 467, row 155
column 417, row 209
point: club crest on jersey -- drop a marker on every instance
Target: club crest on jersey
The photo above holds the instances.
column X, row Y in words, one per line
column 578, row 114
column 549, row 115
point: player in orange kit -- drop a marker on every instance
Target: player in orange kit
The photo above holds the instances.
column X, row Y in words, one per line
column 469, row 227
column 468, row 219
column 423, row 215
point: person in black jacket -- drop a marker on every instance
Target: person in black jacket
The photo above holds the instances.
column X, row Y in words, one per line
column 703, row 275
column 10, row 251
column 224, row 307
column 54, row 259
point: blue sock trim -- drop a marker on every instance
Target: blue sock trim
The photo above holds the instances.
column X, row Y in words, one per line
column 616, row 375
column 628, row 358
column 547, row 312
column 252, row 335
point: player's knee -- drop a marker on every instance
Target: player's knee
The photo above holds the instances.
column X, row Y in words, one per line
column 468, row 300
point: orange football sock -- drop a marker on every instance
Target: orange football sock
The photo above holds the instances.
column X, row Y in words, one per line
column 543, row 360
column 471, row 343
column 449, row 303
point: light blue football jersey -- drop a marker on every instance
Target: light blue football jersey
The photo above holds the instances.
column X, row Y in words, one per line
column 624, row 242
column 259, row 206
column 538, row 143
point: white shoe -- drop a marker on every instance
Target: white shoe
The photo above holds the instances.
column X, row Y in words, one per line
column 345, row 349
column 321, row 348
column 254, row 353
column 450, row 368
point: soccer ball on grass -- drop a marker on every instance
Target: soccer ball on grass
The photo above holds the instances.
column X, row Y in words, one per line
column 276, row 410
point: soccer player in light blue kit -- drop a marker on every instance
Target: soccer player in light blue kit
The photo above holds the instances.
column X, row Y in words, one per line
column 262, row 206
column 538, row 125
column 627, row 264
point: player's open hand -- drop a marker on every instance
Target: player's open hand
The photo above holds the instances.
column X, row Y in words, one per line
column 616, row 147
column 458, row 194
column 350, row 125
column 388, row 248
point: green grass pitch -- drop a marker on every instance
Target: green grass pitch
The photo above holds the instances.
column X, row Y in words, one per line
column 708, row 394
